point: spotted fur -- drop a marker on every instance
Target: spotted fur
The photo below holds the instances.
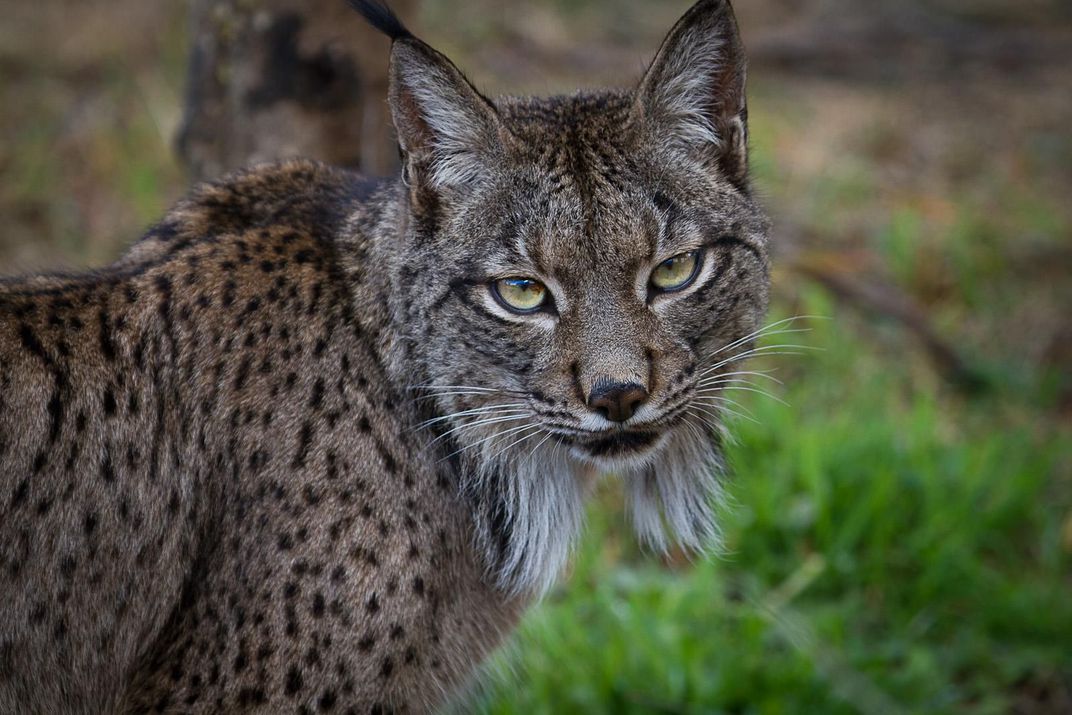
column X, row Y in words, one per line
column 250, row 466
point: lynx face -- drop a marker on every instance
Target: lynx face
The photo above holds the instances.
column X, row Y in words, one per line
column 575, row 274
column 594, row 304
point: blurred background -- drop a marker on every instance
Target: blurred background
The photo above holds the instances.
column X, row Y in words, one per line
column 899, row 535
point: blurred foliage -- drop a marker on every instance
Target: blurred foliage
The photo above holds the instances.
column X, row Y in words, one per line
column 893, row 545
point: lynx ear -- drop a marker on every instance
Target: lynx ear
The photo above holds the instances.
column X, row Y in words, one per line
column 693, row 95
column 448, row 131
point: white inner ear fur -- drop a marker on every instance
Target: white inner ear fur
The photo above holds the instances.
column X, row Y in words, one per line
column 682, row 93
column 453, row 113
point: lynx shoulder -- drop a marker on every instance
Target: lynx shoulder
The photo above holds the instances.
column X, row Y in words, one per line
column 316, row 441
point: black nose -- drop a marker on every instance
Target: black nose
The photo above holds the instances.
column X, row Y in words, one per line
column 617, row 401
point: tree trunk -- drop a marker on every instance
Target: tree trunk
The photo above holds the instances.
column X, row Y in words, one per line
column 270, row 79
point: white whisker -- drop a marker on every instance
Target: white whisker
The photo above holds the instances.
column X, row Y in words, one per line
column 769, row 330
column 692, row 428
column 425, row 398
column 709, row 411
column 475, row 388
column 504, row 409
column 719, row 427
column 728, row 401
column 760, row 351
column 719, row 408
column 518, row 441
column 706, row 385
column 478, row 423
column 756, row 390
column 488, row 439
column 756, row 373
column 540, row 444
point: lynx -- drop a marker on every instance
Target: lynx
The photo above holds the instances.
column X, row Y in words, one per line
column 317, row 441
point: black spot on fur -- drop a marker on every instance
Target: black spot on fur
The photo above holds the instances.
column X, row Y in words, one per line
column 305, row 441
column 326, row 703
column 110, row 405
column 251, row 696
column 20, row 493
column 294, row 681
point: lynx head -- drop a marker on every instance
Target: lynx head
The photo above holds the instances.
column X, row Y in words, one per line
column 574, row 276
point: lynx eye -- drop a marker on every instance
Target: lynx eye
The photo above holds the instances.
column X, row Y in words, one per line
column 676, row 273
column 521, row 295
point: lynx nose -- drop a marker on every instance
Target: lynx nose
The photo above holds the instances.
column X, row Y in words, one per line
column 617, row 401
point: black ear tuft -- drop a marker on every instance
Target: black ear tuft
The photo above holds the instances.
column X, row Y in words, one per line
column 382, row 18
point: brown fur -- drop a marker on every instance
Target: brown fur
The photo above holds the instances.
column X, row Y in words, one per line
column 215, row 491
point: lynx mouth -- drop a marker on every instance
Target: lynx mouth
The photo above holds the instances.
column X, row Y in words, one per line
column 617, row 445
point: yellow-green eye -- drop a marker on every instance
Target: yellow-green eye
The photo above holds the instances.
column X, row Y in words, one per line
column 521, row 295
column 677, row 272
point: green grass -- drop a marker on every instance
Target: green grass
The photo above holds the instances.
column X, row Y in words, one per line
column 890, row 548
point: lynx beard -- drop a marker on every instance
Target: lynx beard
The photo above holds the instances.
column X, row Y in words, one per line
column 529, row 502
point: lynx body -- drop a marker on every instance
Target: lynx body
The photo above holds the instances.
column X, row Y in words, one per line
column 302, row 449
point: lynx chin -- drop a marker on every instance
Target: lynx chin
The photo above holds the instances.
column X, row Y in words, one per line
column 316, row 441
